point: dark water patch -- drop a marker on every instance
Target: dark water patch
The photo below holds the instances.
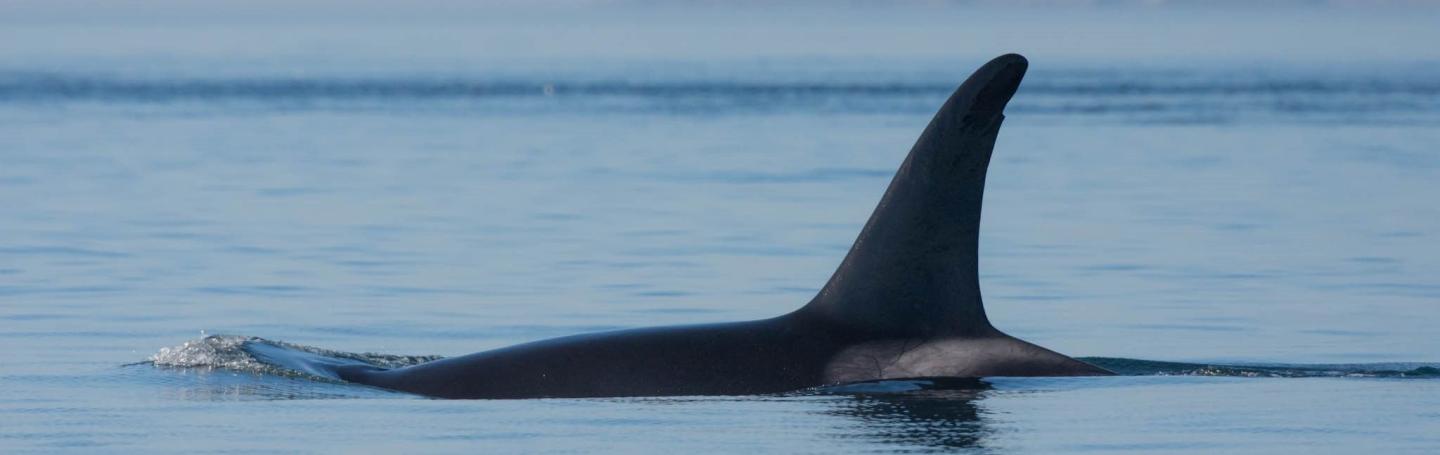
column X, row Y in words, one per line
column 18, row 181
column 662, row 293
column 1373, row 260
column 370, row 263
column 794, row 289
column 1342, row 333
column 37, row 317
column 1146, row 97
column 1389, row 156
column 59, row 290
column 389, row 291
column 273, row 290
column 654, row 233
column 1424, row 290
column 288, row 192
column 677, row 311
column 247, row 249
column 622, row 286
column 1115, row 267
column 1228, row 276
column 63, row 251
column 78, row 86
column 177, row 235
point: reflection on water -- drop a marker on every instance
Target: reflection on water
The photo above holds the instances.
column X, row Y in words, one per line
column 946, row 416
column 221, row 385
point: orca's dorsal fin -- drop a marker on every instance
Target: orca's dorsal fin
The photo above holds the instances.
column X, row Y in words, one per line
column 913, row 269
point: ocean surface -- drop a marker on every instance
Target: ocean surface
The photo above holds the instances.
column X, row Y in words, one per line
column 1243, row 223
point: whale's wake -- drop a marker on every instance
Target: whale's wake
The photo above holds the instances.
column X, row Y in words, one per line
column 1137, row 367
column 261, row 356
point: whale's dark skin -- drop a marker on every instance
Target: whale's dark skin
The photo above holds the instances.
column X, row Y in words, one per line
column 905, row 303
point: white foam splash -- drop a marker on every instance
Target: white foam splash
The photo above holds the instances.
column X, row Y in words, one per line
column 214, row 351
column 228, row 352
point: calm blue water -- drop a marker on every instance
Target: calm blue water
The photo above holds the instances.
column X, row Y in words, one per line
column 1237, row 187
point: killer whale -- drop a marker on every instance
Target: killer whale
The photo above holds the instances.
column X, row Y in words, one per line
column 904, row 303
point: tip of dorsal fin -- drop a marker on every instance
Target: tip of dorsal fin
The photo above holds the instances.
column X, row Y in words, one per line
column 913, row 270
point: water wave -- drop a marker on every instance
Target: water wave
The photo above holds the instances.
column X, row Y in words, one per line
column 41, row 85
column 1155, row 97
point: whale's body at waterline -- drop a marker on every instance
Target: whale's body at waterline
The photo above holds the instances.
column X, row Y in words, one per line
column 904, row 303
